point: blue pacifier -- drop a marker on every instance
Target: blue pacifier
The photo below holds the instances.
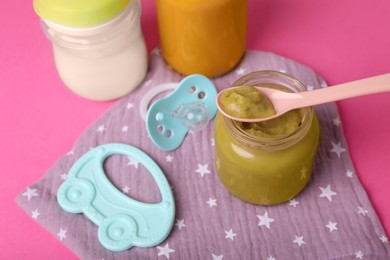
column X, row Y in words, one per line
column 189, row 107
column 123, row 222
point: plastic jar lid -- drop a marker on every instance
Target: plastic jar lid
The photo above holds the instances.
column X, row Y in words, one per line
column 76, row 13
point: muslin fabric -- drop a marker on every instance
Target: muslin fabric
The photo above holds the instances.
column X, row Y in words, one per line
column 331, row 219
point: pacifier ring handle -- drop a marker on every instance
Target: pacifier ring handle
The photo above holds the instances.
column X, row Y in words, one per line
column 143, row 107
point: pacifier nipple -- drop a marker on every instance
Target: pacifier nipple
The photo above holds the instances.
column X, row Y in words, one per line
column 194, row 116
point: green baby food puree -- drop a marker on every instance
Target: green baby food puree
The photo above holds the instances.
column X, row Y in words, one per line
column 248, row 102
column 268, row 162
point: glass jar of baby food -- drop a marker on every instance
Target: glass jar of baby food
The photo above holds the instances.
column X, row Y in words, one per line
column 271, row 162
column 98, row 46
column 202, row 36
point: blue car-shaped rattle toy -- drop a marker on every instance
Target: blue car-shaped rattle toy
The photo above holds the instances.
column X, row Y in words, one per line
column 123, row 222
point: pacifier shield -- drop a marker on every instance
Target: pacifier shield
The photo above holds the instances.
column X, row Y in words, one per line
column 189, row 107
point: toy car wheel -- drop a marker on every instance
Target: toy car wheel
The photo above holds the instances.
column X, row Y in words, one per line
column 117, row 233
column 73, row 197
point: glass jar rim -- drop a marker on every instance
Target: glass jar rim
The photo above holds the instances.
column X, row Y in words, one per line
column 275, row 142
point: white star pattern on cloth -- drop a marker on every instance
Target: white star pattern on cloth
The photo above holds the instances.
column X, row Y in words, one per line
column 180, row 223
column 359, row 255
column 230, row 234
column 64, row 176
column 293, row 203
column 282, row 70
column 212, row 202
column 202, row 169
column 265, row 220
column 101, row 128
column 332, row 226
column 299, row 240
column 337, row 149
column 219, row 201
column 217, row 257
column 336, row 121
column 29, row 193
column 35, row 214
column 125, row 128
column 165, row 250
column 126, row 189
column 362, row 211
column 62, row 234
column 169, row 158
column 240, row 71
column 349, row 174
column 133, row 162
column 70, row 152
column 327, row 193
column 129, row 105
column 384, row 239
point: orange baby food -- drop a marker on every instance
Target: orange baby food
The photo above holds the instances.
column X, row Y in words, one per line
column 202, row 36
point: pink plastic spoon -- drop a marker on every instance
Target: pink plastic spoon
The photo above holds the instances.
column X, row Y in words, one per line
column 284, row 101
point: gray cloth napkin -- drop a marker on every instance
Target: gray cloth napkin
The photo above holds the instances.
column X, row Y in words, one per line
column 331, row 219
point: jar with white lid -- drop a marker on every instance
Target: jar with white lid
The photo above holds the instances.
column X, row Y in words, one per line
column 98, row 46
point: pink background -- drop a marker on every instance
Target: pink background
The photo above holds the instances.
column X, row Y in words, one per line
column 40, row 118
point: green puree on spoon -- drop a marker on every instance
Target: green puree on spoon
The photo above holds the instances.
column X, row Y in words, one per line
column 248, row 102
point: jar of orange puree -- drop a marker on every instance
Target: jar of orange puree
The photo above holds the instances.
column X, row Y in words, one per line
column 270, row 162
column 202, row 36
